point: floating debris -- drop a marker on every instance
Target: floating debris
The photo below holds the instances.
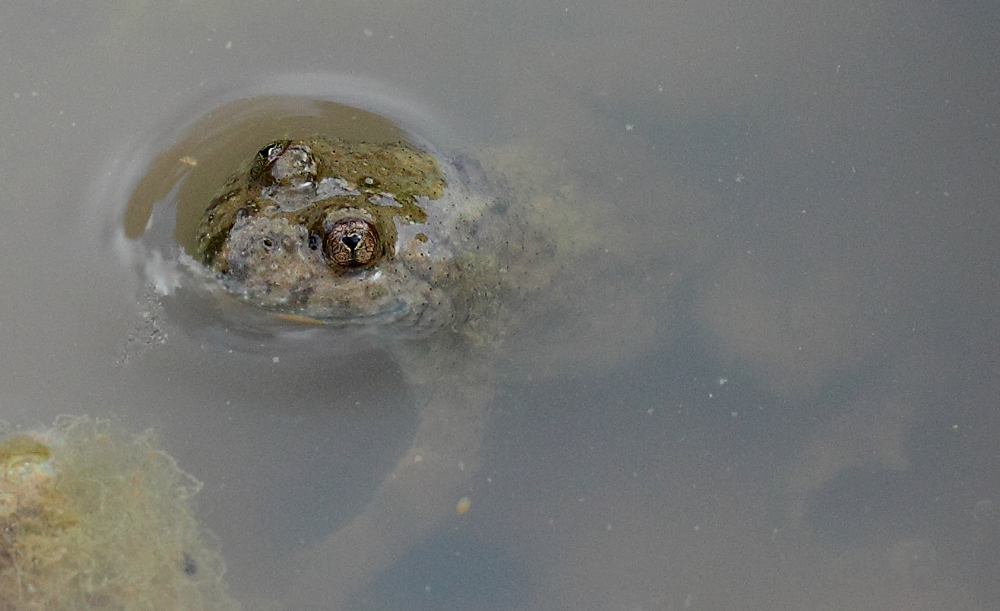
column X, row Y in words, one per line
column 93, row 518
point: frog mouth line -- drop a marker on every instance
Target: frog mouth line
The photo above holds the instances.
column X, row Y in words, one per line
column 364, row 320
column 339, row 317
column 392, row 310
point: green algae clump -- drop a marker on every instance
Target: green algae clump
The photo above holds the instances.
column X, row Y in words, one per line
column 92, row 518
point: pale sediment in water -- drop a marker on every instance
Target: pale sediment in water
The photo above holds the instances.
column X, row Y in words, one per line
column 94, row 518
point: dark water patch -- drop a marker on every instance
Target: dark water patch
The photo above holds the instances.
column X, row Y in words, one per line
column 454, row 570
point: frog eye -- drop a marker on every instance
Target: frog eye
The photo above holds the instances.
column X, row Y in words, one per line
column 265, row 157
column 352, row 243
column 284, row 163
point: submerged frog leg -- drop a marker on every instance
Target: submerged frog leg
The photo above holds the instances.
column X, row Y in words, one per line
column 455, row 391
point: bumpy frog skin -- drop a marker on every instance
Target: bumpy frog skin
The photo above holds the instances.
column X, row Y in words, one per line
column 383, row 236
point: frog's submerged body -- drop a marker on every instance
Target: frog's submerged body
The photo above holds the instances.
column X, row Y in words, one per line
column 384, row 236
column 392, row 241
column 463, row 270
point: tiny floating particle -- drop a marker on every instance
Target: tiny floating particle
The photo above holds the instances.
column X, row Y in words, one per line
column 463, row 505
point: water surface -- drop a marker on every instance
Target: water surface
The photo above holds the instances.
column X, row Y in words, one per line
column 810, row 420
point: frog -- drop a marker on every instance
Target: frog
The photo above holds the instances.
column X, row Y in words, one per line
column 418, row 251
column 383, row 237
column 448, row 261
column 466, row 268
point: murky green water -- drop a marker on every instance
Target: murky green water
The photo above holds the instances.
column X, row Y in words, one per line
column 806, row 194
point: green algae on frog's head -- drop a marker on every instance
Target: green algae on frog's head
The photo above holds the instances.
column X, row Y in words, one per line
column 355, row 234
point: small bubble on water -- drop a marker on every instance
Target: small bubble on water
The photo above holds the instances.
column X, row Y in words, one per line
column 146, row 332
column 984, row 511
column 913, row 559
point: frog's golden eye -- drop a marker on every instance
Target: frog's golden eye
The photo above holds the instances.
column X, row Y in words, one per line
column 265, row 157
column 284, row 163
column 352, row 243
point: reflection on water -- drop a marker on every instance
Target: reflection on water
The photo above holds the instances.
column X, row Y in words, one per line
column 831, row 257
